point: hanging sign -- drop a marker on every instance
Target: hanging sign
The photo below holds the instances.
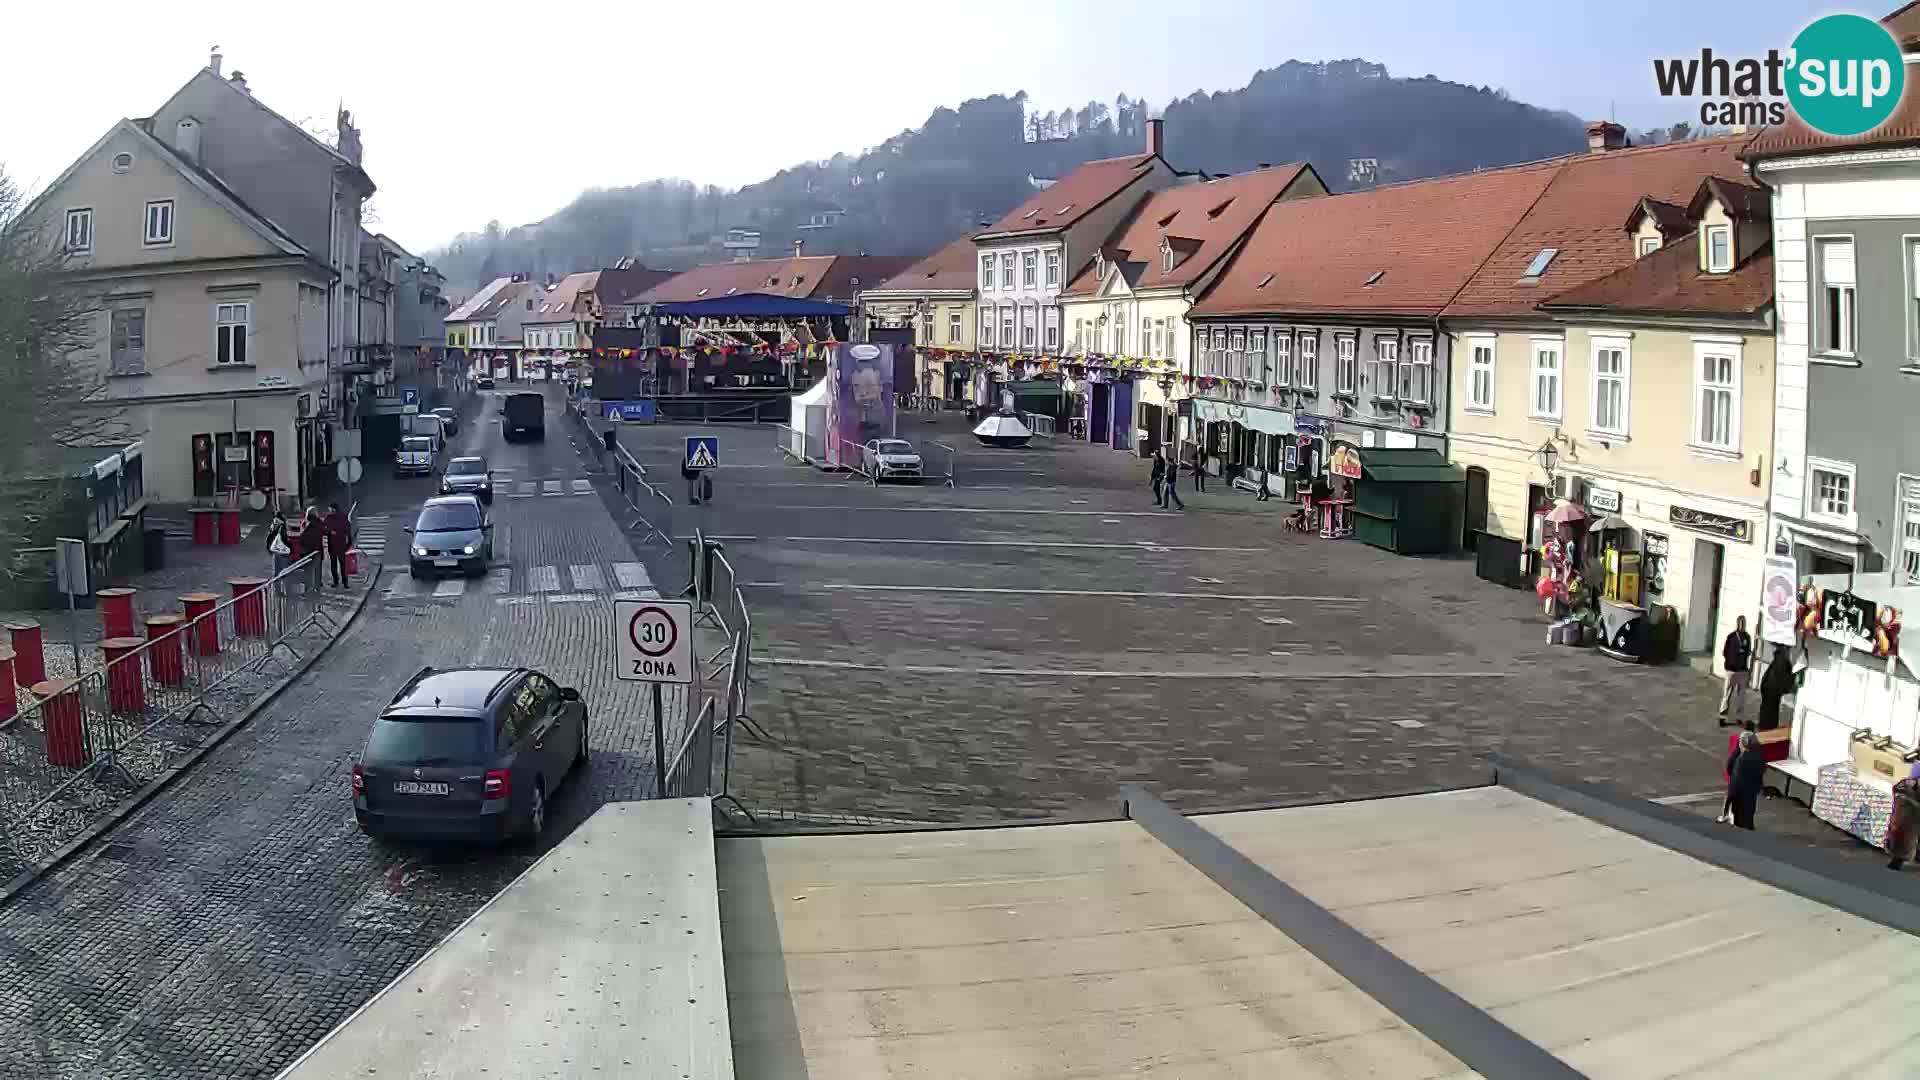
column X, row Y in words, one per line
column 1779, row 601
column 1345, row 461
column 1732, row 528
column 1603, row 500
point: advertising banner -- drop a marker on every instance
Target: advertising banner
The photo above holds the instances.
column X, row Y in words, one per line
column 859, row 400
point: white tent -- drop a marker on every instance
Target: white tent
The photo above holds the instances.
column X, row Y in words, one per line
column 1002, row 430
column 809, row 435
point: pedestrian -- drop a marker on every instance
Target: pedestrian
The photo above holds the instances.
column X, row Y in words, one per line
column 1736, row 654
column 1903, row 825
column 1775, row 683
column 1260, row 492
column 278, row 547
column 692, row 477
column 1200, row 467
column 339, row 537
column 312, row 540
column 1159, row 478
column 1746, row 771
column 1171, row 485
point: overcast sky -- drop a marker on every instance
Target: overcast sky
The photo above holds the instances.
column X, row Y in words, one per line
column 479, row 111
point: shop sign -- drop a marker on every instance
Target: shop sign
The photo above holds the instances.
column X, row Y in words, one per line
column 1311, row 425
column 1779, row 602
column 1732, row 528
column 1293, row 458
column 1345, row 461
column 1603, row 500
column 1653, row 568
column 1856, row 622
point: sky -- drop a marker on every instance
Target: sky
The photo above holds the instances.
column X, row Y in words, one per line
column 481, row 111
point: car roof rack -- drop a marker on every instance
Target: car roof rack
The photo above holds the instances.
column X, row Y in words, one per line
column 509, row 677
column 407, row 687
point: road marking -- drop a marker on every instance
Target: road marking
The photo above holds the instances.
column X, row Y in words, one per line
column 499, row 580
column 638, row 594
column 1207, row 581
column 1126, row 594
column 586, row 578
column 517, row 601
column 1696, row 797
column 527, row 489
column 583, row 487
column 570, row 598
column 632, row 575
column 543, row 579
column 550, row 487
column 450, row 588
column 987, row 510
column 1408, row 722
column 1155, row 549
column 1276, row 620
column 1130, row 673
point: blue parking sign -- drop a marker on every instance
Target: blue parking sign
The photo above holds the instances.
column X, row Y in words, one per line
column 703, row 451
column 409, row 395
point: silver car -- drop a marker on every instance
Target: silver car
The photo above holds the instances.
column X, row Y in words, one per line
column 891, row 459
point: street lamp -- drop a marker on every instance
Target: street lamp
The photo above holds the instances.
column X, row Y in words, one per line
column 1549, row 456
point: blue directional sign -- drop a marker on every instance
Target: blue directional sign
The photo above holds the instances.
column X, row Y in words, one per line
column 642, row 410
column 703, row 451
column 409, row 395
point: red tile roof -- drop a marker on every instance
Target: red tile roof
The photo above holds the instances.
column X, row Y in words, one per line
column 851, row 274
column 1202, row 221
column 951, row 269
column 1579, row 216
column 1424, row 239
column 1900, row 129
column 1670, row 282
column 1074, row 195
column 814, row 277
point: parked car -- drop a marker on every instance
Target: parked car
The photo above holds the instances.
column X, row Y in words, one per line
column 414, row 457
column 891, row 459
column 473, row 753
column 449, row 419
column 468, row 476
column 453, row 532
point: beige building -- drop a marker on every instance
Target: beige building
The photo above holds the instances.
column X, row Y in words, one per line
column 935, row 299
column 1649, row 394
column 212, row 342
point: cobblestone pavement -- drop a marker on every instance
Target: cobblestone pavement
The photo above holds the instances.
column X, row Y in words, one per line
column 241, row 914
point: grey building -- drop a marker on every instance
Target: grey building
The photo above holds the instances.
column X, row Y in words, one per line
column 418, row 303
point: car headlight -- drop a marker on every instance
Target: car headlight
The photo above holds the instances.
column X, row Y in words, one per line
column 468, row 550
column 420, row 551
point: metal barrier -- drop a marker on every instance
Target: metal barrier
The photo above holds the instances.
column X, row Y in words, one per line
column 651, row 507
column 77, row 747
column 708, row 742
column 940, row 466
column 804, row 447
column 1040, row 424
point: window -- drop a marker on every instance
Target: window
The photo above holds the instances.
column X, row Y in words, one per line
column 1028, row 318
column 159, row 223
column 1053, row 330
column 127, row 341
column 1146, row 336
column 1830, row 487
column 953, row 326
column 1546, row 380
column 1649, row 245
column 1006, row 317
column 1539, row 264
column 1416, row 377
column 1079, row 332
column 1716, row 424
column 1257, row 368
column 1346, row 369
column 1910, row 532
column 1306, row 370
column 1029, row 268
column 80, row 230
column 986, row 273
column 1166, row 257
column 1006, row 270
column 1237, row 354
column 1719, row 249
column 1836, row 296
column 1282, row 360
column 230, row 332
column 1386, row 357
column 1053, row 268
column 1173, row 338
column 1119, row 336
column 986, row 326
column 1610, row 375
column 1480, row 375
column 122, row 162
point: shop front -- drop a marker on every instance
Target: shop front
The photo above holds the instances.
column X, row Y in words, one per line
column 1107, row 414
column 1247, row 444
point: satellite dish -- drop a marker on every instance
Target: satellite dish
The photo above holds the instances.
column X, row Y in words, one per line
column 256, row 499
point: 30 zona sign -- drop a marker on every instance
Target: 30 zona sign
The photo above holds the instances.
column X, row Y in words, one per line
column 655, row 642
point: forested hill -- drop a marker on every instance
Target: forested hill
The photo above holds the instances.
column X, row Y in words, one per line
column 925, row 186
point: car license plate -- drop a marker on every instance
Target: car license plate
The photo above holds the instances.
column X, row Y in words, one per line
column 446, row 562
column 416, row 787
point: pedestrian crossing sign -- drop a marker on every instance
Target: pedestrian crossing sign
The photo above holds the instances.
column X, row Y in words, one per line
column 703, row 451
column 613, row 413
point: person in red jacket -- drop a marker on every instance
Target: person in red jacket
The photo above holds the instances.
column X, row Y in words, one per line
column 339, row 536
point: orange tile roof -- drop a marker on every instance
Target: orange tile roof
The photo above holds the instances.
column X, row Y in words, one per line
column 1901, row 128
column 1670, row 282
column 1580, row 216
column 1201, row 220
column 1074, row 195
column 808, row 276
column 1424, row 239
column 951, row 269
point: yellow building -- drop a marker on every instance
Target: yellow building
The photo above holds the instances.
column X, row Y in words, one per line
column 1644, row 395
column 934, row 297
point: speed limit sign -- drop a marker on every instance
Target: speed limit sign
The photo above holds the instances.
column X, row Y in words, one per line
column 655, row 641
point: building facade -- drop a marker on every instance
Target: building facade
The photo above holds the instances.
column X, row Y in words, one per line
column 934, row 298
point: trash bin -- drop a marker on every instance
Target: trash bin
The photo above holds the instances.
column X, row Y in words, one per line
column 613, row 439
column 153, row 549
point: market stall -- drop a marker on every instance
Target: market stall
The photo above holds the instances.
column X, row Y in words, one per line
column 1408, row 501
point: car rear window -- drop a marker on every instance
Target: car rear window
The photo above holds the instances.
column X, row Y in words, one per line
column 434, row 740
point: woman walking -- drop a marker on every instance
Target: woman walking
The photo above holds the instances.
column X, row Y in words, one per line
column 1746, row 771
column 1775, row 683
column 281, row 551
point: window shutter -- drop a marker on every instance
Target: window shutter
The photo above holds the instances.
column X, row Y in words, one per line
column 1836, row 262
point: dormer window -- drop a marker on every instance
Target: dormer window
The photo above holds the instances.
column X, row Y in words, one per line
column 1166, row 257
column 1647, row 245
column 1719, row 241
column 1099, row 267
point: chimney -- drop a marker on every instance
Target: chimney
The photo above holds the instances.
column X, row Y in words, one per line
column 796, row 248
column 1156, row 137
column 239, row 81
column 213, row 64
column 186, row 138
column 1604, row 135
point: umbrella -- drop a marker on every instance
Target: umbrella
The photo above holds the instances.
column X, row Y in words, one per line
column 1003, row 431
column 1564, row 512
column 1609, row 522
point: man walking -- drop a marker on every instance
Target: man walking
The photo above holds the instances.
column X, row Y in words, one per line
column 1736, row 655
column 1159, row 477
column 1170, row 484
column 339, row 537
column 1200, row 467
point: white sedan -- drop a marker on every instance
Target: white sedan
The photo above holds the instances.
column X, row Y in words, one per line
column 891, row 459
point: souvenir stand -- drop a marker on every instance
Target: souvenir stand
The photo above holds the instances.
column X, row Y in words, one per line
column 1329, row 506
column 1856, row 721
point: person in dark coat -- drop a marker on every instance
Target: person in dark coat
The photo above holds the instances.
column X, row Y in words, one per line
column 1159, row 479
column 1200, row 467
column 1736, row 656
column 312, row 533
column 1775, row 683
column 339, row 537
column 1747, row 770
column 1903, row 825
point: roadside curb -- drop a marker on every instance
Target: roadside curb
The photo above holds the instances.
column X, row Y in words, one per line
column 21, row 881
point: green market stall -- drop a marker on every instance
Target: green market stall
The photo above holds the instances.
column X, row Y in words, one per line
column 1408, row 501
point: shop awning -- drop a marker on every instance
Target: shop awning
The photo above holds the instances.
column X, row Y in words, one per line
column 1033, row 388
column 1408, row 466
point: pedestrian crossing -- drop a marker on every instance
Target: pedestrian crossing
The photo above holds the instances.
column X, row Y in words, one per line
column 533, row 489
column 576, row 584
column 370, row 536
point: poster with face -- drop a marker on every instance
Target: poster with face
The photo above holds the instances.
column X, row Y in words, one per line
column 860, row 400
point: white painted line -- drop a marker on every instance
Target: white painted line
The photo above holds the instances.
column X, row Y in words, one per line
column 996, row 510
column 1695, row 797
column 638, row 594
column 586, row 577
column 1276, row 620
column 1127, row 594
column 1061, row 544
column 527, row 488
column 570, row 598
column 1207, row 581
column 450, row 588
column 1130, row 673
column 550, row 487
column 499, row 580
column 632, row 575
column 1409, row 722
column 517, row 601
column 543, row 579
column 583, row 487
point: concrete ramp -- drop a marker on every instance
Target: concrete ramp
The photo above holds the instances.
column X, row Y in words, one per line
column 602, row 960
column 1028, row 952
